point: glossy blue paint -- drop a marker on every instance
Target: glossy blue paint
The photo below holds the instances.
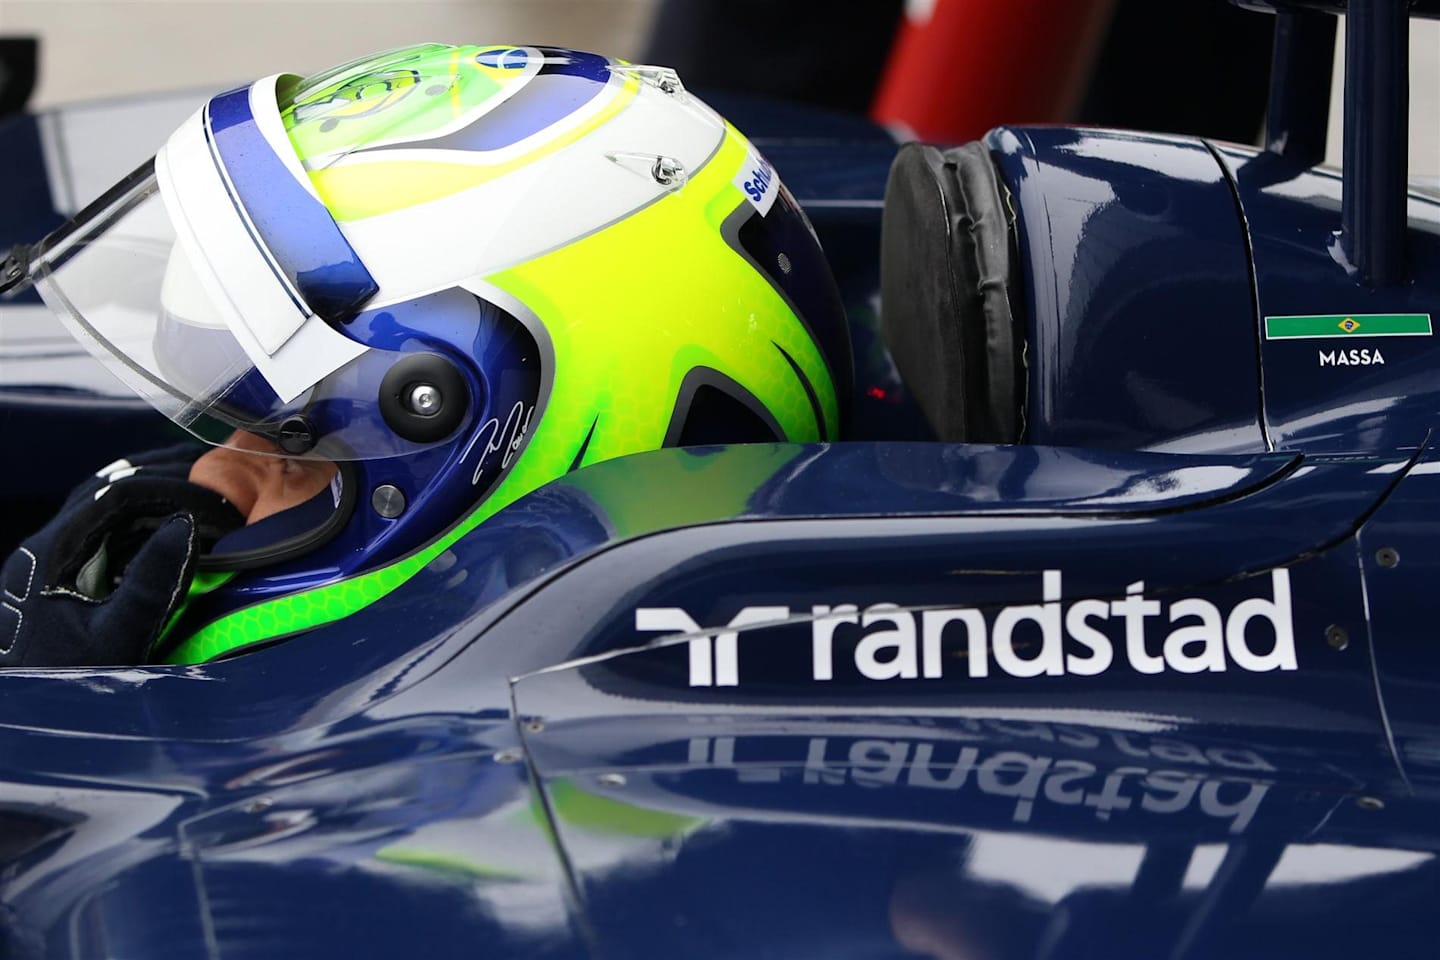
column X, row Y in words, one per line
column 1403, row 609
column 1140, row 314
column 495, row 757
column 385, row 778
column 988, row 835
column 1103, row 358
column 1293, row 219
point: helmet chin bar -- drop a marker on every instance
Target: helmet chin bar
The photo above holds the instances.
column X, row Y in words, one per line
column 290, row 533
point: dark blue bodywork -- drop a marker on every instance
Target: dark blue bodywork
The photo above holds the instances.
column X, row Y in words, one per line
column 525, row 752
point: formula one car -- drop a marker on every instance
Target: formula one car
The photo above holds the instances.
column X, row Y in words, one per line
column 1105, row 633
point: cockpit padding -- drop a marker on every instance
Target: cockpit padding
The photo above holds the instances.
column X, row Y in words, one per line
column 951, row 310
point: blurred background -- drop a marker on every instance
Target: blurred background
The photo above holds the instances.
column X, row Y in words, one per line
column 1186, row 66
column 115, row 47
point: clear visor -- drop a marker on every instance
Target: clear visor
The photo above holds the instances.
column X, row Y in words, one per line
column 135, row 298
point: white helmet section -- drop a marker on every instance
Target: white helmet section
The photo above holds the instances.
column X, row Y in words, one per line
column 291, row 347
column 648, row 148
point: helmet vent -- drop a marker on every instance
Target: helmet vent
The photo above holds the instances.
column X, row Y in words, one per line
column 719, row 412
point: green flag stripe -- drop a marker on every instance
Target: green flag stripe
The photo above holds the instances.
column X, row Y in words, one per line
column 1348, row 325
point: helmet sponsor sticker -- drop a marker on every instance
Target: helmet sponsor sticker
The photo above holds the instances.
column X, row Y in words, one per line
column 757, row 180
column 1086, row 637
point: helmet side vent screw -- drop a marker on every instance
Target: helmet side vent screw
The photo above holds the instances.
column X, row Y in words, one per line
column 387, row 501
column 425, row 400
column 1387, row 557
column 1336, row 636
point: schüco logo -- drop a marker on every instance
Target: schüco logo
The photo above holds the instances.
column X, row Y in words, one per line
column 757, row 180
column 882, row 641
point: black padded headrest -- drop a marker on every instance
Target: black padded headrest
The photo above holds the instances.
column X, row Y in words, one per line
column 951, row 312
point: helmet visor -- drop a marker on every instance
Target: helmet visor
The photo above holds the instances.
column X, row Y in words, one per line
column 141, row 302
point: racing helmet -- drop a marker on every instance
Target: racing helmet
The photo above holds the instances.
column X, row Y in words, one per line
column 457, row 272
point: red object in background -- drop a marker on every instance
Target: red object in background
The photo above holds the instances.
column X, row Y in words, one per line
column 960, row 67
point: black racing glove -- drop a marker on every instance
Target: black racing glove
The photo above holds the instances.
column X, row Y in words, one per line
column 98, row 584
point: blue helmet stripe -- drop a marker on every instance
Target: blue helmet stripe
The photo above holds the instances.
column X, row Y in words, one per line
column 296, row 229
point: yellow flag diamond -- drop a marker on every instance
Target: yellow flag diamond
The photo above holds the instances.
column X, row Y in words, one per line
column 1349, row 325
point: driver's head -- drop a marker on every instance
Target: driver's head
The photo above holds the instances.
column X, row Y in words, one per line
column 405, row 292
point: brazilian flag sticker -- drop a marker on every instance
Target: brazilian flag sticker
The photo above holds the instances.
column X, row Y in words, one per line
column 1348, row 325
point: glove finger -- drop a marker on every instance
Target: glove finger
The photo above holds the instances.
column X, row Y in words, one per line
column 122, row 517
column 151, row 587
column 173, row 461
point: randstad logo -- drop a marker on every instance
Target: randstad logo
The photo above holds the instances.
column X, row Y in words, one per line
column 1084, row 638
